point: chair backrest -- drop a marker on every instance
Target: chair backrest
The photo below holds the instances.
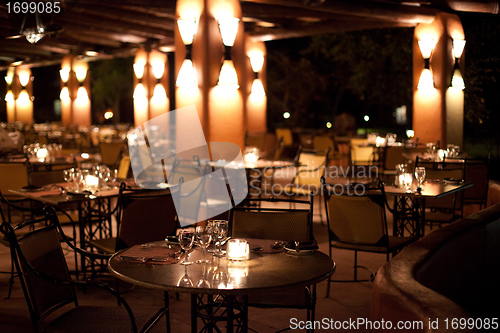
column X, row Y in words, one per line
column 356, row 219
column 289, row 153
column 38, row 258
column 273, row 222
column 145, row 216
column 111, row 152
column 476, row 172
column 312, row 168
column 124, row 167
column 41, row 178
column 393, row 156
column 286, row 134
column 324, row 143
column 361, row 152
column 13, row 175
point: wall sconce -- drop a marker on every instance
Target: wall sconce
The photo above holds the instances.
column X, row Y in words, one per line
column 139, row 70
column 24, row 78
column 9, row 97
column 64, row 95
column 140, row 92
column 457, row 81
column 426, row 80
column 228, row 28
column 81, row 73
column 257, row 62
column 187, row 74
column 64, row 73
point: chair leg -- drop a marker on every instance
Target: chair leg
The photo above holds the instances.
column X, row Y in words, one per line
column 166, row 301
column 355, row 265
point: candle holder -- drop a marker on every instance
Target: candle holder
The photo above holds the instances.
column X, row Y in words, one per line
column 237, row 249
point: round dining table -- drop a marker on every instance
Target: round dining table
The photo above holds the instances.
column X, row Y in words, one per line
column 227, row 282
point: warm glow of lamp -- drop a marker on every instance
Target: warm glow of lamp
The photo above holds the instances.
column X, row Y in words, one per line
column 8, row 79
column 426, row 47
column 426, row 80
column 24, row 97
column 228, row 76
column 258, row 88
column 187, row 29
column 80, row 71
column 64, row 95
column 457, row 81
column 228, row 27
column 64, row 73
column 458, row 47
column 9, row 97
column 108, row 114
column 24, row 77
column 139, row 91
column 158, row 69
column 159, row 92
column 187, row 75
column 139, row 69
column 82, row 93
column 256, row 61
column 42, row 153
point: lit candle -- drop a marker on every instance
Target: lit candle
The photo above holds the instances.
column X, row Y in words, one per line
column 91, row 183
column 251, row 158
column 42, row 153
column 237, row 249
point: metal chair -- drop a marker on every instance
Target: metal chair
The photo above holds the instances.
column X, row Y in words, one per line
column 477, row 172
column 448, row 208
column 358, row 222
column 265, row 222
column 48, row 288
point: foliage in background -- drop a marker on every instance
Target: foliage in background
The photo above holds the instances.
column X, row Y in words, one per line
column 482, row 83
column 112, row 81
column 364, row 72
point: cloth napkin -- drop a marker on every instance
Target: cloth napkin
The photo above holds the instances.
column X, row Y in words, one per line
column 154, row 254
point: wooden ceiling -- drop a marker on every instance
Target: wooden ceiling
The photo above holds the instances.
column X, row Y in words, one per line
column 119, row 27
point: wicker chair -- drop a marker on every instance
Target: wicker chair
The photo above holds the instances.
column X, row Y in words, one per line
column 47, row 286
column 281, row 224
column 358, row 223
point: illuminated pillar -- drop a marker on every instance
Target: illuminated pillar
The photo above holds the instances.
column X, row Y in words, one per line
column 150, row 85
column 217, row 52
column 438, row 113
column 19, row 95
column 256, row 103
column 75, row 92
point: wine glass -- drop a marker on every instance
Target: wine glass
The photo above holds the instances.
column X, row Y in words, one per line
column 220, row 233
column 204, row 237
column 420, row 175
column 186, row 239
column 203, row 282
column 185, row 281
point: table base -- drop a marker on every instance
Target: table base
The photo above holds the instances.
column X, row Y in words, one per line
column 230, row 310
column 409, row 216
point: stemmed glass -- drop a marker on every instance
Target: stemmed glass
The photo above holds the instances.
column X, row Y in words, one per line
column 420, row 175
column 204, row 237
column 220, row 233
column 203, row 282
column 186, row 239
column 185, row 281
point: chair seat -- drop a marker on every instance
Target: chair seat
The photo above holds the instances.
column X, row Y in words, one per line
column 106, row 245
column 86, row 319
column 395, row 243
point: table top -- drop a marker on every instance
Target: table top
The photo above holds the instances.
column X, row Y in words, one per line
column 56, row 194
column 430, row 189
column 259, row 164
column 262, row 272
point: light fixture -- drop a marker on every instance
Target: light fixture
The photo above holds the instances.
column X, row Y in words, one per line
column 81, row 72
column 64, row 73
column 64, row 95
column 228, row 76
column 187, row 29
column 257, row 62
column 187, row 74
column 457, row 80
column 24, row 76
column 139, row 92
column 82, row 93
column 139, row 69
column 9, row 97
column 228, row 28
column 426, row 80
